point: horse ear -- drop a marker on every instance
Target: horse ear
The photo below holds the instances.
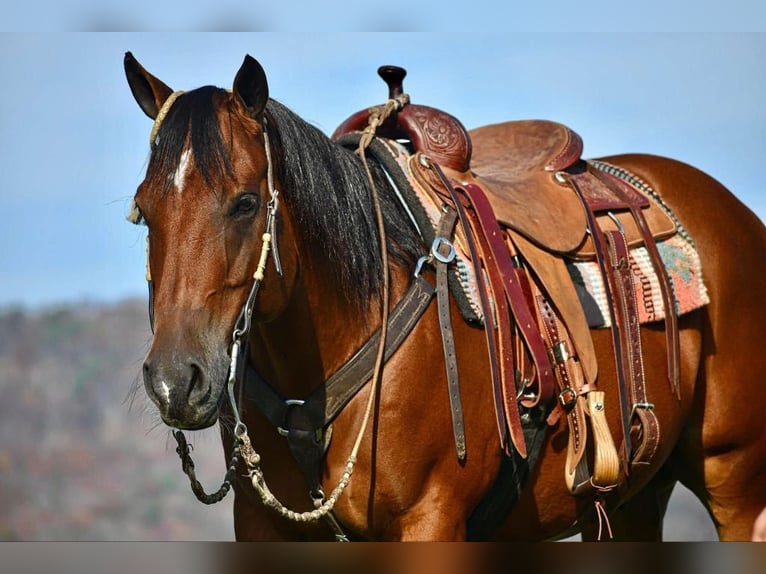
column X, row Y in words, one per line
column 150, row 93
column 251, row 89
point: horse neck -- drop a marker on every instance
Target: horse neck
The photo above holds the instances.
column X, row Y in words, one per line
column 316, row 334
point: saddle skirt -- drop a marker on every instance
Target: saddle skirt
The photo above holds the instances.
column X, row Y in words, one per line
column 516, row 162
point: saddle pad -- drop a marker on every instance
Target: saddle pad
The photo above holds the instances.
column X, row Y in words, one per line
column 684, row 270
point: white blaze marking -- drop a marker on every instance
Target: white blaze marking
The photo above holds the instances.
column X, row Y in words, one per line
column 183, row 166
column 165, row 391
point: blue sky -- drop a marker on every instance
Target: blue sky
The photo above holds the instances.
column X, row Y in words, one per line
column 73, row 143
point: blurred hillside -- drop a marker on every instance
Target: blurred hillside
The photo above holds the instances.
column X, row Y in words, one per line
column 83, row 456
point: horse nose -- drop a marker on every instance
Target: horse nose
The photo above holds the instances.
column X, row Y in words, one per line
column 177, row 386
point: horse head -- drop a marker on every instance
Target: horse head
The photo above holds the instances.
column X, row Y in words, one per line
column 204, row 201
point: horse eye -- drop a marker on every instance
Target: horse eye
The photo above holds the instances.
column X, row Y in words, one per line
column 246, row 204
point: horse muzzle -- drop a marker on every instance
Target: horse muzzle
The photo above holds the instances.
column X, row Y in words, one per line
column 186, row 391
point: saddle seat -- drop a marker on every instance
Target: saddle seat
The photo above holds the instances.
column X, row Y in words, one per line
column 515, row 163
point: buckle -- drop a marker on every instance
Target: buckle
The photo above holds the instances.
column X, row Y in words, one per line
column 438, row 242
column 567, row 398
column 289, row 403
column 435, row 254
column 636, row 406
column 560, row 353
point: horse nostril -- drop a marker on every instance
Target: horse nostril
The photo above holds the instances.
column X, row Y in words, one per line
column 197, row 382
column 196, row 375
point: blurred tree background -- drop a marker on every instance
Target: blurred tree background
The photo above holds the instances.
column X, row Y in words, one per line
column 83, row 456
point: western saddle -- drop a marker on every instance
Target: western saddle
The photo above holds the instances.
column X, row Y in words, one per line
column 526, row 203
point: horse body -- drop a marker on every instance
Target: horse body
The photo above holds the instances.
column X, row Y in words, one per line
column 408, row 484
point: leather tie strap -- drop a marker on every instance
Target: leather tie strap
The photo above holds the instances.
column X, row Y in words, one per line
column 612, row 255
column 512, row 285
column 442, row 254
column 631, row 344
column 599, row 244
column 627, row 194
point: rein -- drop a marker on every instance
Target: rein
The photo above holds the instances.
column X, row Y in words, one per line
column 242, row 445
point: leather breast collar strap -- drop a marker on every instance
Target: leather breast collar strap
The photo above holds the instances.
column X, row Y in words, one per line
column 306, row 422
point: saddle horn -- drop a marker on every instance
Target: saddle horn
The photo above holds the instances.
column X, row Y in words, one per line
column 393, row 76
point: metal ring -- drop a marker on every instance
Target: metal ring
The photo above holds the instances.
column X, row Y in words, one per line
column 289, row 403
column 438, row 242
column 240, row 429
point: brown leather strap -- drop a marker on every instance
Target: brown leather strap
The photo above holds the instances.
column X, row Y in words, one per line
column 570, row 397
column 305, row 422
column 512, row 285
column 507, row 295
column 581, row 182
column 612, row 254
column 635, row 200
column 495, row 311
column 323, row 405
column 632, row 361
column 543, row 394
column 442, row 254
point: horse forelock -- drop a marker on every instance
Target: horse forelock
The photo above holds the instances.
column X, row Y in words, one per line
column 191, row 130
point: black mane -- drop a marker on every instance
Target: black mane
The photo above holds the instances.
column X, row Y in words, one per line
column 325, row 188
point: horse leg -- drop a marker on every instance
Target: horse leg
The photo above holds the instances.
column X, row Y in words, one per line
column 726, row 431
column 431, row 520
column 723, row 452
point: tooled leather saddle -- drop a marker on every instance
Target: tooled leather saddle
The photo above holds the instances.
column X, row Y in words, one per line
column 527, row 202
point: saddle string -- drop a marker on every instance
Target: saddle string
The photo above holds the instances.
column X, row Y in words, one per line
column 378, row 115
column 603, row 520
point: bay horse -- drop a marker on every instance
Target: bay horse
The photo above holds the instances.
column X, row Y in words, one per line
column 267, row 276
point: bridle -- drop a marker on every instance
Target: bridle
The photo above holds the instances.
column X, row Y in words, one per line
column 242, row 447
column 237, row 350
